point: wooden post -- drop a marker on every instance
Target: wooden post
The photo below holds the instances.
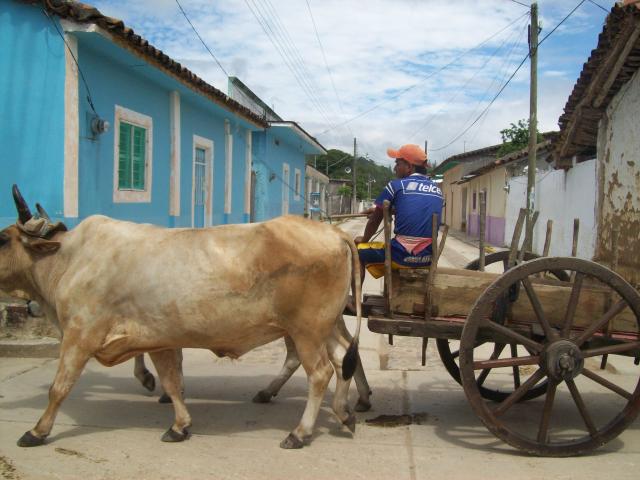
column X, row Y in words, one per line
column 528, row 237
column 443, row 240
column 483, row 219
column 515, row 240
column 533, row 118
column 387, row 256
column 576, row 231
column 433, row 267
column 354, row 202
column 547, row 239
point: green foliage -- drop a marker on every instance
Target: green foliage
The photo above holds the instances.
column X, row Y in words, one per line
column 366, row 171
column 344, row 190
column 516, row 137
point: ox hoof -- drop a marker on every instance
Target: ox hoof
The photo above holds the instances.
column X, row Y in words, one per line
column 291, row 442
column 263, row 396
column 362, row 405
column 149, row 381
column 350, row 423
column 164, row 398
column 30, row 440
column 171, row 436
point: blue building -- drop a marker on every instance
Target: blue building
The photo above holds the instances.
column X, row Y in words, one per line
column 94, row 119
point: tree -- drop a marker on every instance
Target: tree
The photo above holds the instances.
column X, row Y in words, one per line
column 516, row 137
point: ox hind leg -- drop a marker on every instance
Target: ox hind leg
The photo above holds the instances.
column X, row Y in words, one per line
column 168, row 366
column 73, row 359
column 337, row 346
column 144, row 376
column 291, row 364
column 316, row 363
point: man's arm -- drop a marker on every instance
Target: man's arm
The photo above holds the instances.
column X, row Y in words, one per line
column 372, row 225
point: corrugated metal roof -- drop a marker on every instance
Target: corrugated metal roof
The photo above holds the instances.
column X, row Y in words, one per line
column 611, row 64
column 82, row 13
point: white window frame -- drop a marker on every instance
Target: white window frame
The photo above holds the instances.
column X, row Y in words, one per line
column 123, row 114
column 285, row 188
column 297, row 183
column 207, row 145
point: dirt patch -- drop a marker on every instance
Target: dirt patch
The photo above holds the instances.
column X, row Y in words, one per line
column 398, row 420
column 7, row 470
column 75, row 453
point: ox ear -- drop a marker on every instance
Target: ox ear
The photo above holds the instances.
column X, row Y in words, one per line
column 41, row 246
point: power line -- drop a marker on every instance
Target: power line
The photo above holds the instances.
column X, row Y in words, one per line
column 84, row 80
column 510, row 78
column 462, row 88
column 405, row 90
column 200, row 38
column 520, row 3
column 600, row 6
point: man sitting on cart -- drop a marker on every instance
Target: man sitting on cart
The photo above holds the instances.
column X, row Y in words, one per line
column 414, row 198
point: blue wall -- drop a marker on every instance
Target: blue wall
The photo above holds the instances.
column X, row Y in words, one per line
column 269, row 158
column 31, row 109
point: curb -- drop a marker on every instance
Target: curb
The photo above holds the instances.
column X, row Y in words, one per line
column 32, row 348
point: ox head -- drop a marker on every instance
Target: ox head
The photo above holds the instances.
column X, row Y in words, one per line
column 26, row 242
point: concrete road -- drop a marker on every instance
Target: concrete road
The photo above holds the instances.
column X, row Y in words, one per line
column 110, row 428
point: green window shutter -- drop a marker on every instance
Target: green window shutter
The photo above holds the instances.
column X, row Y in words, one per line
column 124, row 158
column 139, row 150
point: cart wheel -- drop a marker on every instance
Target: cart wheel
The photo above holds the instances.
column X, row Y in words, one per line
column 494, row 388
column 563, row 354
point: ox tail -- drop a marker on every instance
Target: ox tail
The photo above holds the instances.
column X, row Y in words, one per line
column 350, row 361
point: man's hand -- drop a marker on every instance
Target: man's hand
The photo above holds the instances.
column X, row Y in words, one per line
column 358, row 239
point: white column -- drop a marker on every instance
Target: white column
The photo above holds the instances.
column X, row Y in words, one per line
column 228, row 165
column 71, row 130
column 174, row 181
column 247, row 173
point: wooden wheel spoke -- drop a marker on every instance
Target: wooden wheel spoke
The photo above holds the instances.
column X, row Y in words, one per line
column 506, row 362
column 606, row 383
column 543, row 430
column 619, row 348
column 497, row 350
column 602, row 322
column 516, row 369
column 582, row 408
column 537, row 308
column 519, row 393
column 515, row 336
column 573, row 303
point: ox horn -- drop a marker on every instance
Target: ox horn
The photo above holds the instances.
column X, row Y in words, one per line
column 42, row 212
column 24, row 214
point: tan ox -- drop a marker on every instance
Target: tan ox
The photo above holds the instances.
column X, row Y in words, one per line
column 117, row 289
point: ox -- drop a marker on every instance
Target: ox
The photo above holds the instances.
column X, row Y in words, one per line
column 117, row 289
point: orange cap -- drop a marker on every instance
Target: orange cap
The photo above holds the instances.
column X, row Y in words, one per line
column 411, row 153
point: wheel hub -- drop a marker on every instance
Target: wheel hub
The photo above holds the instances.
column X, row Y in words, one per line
column 563, row 360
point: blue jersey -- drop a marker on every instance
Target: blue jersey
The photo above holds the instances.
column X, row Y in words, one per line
column 415, row 199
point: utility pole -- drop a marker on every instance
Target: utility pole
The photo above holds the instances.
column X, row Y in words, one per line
column 533, row 122
column 354, row 201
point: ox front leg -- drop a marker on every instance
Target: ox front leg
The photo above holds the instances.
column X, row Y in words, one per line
column 291, row 364
column 316, row 363
column 168, row 366
column 70, row 366
column 144, row 376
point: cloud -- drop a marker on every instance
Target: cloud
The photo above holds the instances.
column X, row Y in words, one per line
column 375, row 50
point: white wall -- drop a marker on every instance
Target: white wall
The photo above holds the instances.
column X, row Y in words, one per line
column 560, row 196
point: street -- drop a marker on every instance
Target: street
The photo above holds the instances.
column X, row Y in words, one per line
column 110, row 427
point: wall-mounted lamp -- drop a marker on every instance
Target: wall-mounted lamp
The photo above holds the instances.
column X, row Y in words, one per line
column 506, row 187
column 99, row 126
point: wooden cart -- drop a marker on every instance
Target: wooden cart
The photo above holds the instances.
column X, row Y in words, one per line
column 517, row 341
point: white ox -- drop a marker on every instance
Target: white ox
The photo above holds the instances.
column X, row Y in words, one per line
column 117, row 289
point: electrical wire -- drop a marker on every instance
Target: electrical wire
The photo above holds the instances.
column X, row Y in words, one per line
column 200, row 38
column 427, row 77
column 520, row 3
column 509, row 80
column 84, row 80
column 600, row 6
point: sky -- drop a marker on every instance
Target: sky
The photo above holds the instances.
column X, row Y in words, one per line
column 387, row 72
